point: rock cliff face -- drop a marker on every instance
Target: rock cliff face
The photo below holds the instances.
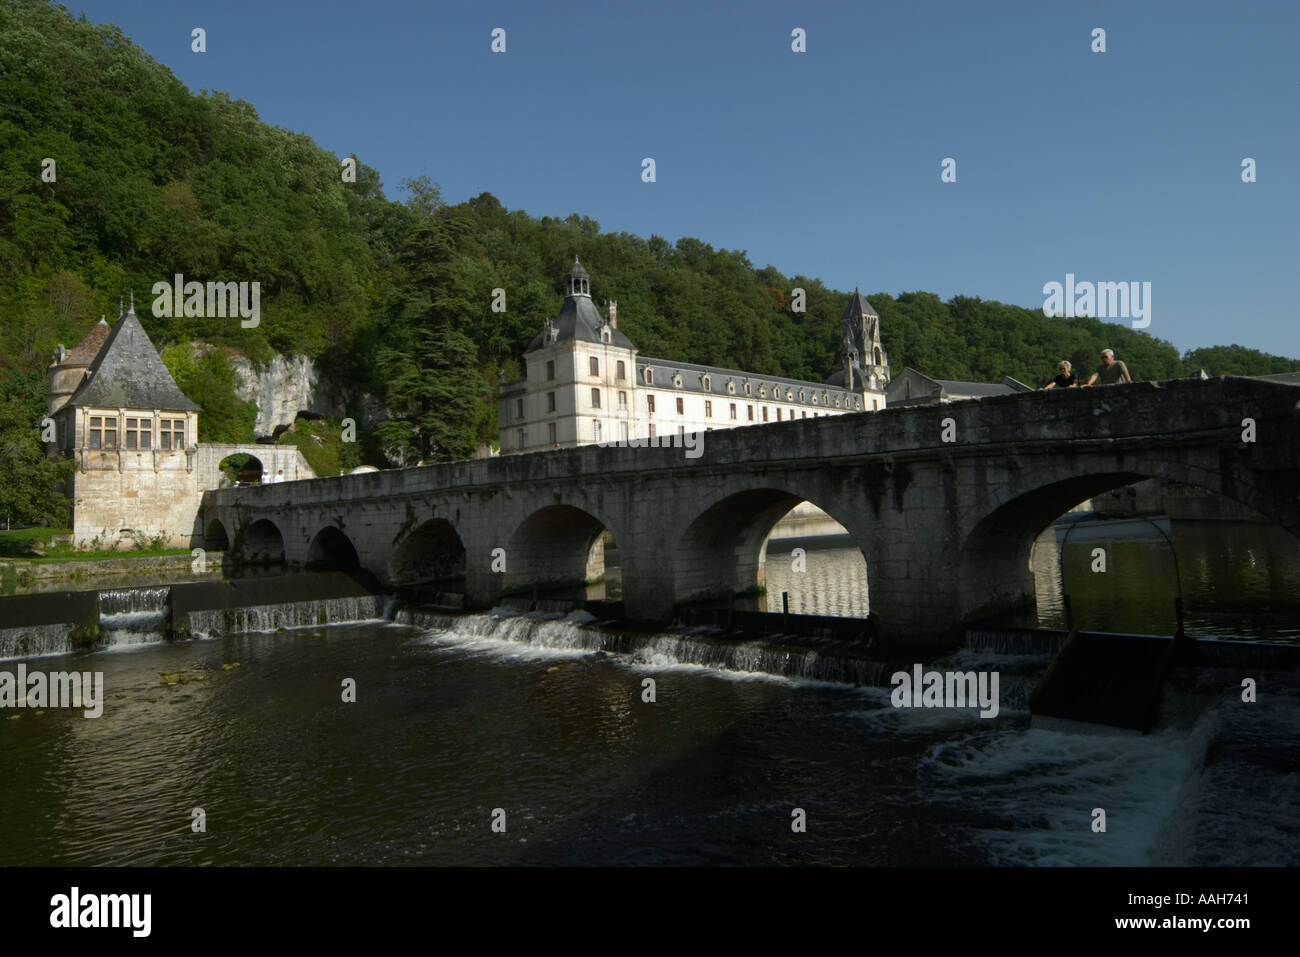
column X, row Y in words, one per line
column 284, row 387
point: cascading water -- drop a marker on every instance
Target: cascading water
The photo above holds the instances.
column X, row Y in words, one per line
column 133, row 616
column 34, row 640
column 329, row 611
column 780, row 655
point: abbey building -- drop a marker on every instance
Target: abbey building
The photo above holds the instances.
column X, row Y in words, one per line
column 585, row 383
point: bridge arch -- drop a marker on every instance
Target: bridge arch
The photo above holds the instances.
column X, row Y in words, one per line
column 556, row 545
column 262, row 542
column 331, row 549
column 433, row 552
column 995, row 570
column 723, row 551
column 215, row 537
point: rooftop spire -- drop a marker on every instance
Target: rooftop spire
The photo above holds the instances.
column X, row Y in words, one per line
column 579, row 280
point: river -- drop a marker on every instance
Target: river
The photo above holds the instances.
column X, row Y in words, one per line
column 460, row 721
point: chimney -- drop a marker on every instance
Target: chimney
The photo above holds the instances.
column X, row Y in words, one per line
column 611, row 313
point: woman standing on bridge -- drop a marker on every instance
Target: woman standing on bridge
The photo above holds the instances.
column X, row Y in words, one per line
column 1065, row 379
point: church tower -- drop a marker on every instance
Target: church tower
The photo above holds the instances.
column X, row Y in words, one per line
column 863, row 364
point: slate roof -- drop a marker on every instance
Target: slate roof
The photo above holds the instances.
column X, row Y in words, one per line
column 912, row 387
column 128, row 374
column 664, row 369
column 579, row 319
column 858, row 306
column 84, row 352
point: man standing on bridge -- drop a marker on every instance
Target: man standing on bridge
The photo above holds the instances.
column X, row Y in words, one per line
column 1110, row 371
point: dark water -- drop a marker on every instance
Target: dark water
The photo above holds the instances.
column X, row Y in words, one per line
column 461, row 717
column 450, row 725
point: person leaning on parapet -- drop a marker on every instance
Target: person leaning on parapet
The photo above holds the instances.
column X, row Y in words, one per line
column 1065, row 379
column 1110, row 371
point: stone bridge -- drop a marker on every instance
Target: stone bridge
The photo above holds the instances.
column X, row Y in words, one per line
column 943, row 501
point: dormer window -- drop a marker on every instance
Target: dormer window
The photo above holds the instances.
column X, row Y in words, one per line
column 677, row 381
column 731, row 386
column 705, row 384
column 649, row 376
column 762, row 392
column 802, row 397
column 749, row 390
column 604, row 335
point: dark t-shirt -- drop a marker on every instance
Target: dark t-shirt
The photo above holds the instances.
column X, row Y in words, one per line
column 1062, row 381
column 1110, row 374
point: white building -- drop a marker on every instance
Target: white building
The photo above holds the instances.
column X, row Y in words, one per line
column 584, row 383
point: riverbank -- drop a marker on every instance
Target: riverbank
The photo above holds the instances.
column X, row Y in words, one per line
column 21, row 576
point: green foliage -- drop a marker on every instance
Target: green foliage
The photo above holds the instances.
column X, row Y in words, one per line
column 1236, row 360
column 32, row 483
column 321, row 443
column 210, row 380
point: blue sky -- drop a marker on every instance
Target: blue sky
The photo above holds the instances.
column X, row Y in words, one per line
column 1115, row 166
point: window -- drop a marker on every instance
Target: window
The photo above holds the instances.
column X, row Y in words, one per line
column 96, row 431
column 550, row 368
column 622, row 371
column 733, row 412
column 814, row 398
column 109, row 432
column 802, row 399
column 873, row 405
column 805, row 413
column 705, row 381
column 681, row 407
column 595, row 398
column 764, row 413
column 171, row 434
column 519, row 410
column 595, row 365
column 708, row 409
column 596, row 428
column 751, row 413
column 622, row 401
column 550, row 402
column 550, row 432
column 731, row 387
column 652, row 430
column 762, row 392
column 650, row 404
column 677, row 381
column 139, row 433
column 521, row 439
column 778, row 415
column 749, row 390
column 649, row 376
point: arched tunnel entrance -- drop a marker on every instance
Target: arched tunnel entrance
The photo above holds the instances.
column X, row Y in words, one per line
column 756, row 546
column 331, row 550
column 559, row 551
column 240, row 469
